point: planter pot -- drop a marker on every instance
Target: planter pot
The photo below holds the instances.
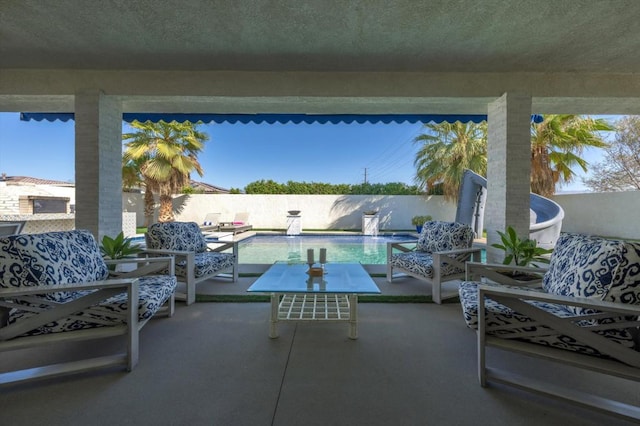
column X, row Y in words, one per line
column 419, row 229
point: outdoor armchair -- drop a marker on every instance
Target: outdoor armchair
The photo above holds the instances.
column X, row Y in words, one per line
column 195, row 258
column 439, row 255
column 55, row 287
column 584, row 313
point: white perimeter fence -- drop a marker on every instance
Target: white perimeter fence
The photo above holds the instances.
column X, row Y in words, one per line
column 609, row 214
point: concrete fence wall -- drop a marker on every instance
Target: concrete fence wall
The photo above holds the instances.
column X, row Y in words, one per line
column 613, row 214
column 609, row 214
column 317, row 211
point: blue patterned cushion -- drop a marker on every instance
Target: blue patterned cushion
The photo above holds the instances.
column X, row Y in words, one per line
column 421, row 263
column 583, row 266
column 13, row 273
column 626, row 283
column 498, row 315
column 153, row 292
column 442, row 236
column 181, row 236
column 63, row 257
column 207, row 263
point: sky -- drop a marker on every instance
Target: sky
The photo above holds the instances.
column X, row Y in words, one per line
column 238, row 154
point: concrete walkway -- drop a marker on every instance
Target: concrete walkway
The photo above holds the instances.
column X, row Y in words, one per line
column 213, row 364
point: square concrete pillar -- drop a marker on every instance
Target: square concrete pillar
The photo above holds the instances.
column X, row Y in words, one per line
column 98, row 128
column 508, row 169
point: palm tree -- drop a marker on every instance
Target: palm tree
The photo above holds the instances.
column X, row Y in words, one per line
column 132, row 178
column 447, row 149
column 166, row 154
column 556, row 145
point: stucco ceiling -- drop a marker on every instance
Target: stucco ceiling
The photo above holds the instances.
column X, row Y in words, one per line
column 322, row 35
column 448, row 41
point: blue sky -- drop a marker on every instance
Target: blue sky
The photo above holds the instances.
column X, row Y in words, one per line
column 237, row 154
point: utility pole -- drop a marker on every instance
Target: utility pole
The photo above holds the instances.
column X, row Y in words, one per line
column 365, row 175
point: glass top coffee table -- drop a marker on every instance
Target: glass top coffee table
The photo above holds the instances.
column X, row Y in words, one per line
column 297, row 296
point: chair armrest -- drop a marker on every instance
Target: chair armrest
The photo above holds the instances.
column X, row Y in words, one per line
column 449, row 257
column 458, row 251
column 581, row 328
column 495, row 272
column 583, row 302
column 167, row 252
column 104, row 284
column 55, row 311
column 222, row 246
column 401, row 246
column 150, row 266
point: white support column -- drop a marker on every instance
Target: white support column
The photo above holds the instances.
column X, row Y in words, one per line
column 508, row 168
column 98, row 125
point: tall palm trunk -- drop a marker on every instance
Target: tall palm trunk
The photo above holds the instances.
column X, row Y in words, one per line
column 166, row 208
column 149, row 207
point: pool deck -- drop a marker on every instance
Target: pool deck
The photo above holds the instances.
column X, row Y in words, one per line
column 402, row 286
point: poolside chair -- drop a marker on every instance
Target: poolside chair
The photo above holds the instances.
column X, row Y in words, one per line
column 11, row 228
column 195, row 259
column 439, row 255
column 211, row 222
column 584, row 314
column 239, row 224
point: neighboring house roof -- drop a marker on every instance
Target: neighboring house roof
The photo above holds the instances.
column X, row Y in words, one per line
column 27, row 180
column 208, row 188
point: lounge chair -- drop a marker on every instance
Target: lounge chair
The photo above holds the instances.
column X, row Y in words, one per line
column 439, row 255
column 239, row 224
column 211, row 222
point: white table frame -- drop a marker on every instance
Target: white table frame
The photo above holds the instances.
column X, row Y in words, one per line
column 330, row 307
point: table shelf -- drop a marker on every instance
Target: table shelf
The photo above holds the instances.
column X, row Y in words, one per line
column 314, row 307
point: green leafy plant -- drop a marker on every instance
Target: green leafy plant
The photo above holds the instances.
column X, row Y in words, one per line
column 521, row 252
column 420, row 220
column 118, row 247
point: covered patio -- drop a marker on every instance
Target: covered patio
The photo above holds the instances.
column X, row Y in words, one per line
column 213, row 363
column 506, row 61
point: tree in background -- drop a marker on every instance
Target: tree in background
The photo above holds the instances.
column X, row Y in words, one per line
column 165, row 155
column 620, row 170
column 446, row 150
column 132, row 179
column 556, row 145
column 291, row 187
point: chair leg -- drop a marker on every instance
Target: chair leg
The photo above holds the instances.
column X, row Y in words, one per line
column 437, row 298
column 436, row 290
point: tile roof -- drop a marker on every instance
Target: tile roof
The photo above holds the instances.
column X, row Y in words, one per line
column 28, row 180
column 208, row 188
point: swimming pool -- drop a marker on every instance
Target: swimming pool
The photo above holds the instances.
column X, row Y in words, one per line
column 267, row 249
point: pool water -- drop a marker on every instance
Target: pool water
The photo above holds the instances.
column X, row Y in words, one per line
column 268, row 249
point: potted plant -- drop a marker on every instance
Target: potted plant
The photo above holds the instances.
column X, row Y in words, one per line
column 118, row 248
column 521, row 251
column 418, row 221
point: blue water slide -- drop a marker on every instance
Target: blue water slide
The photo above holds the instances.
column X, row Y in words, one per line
column 546, row 215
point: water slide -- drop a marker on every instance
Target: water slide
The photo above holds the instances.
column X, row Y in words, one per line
column 546, row 215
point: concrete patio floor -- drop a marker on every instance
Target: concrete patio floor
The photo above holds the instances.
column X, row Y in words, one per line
column 213, row 364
